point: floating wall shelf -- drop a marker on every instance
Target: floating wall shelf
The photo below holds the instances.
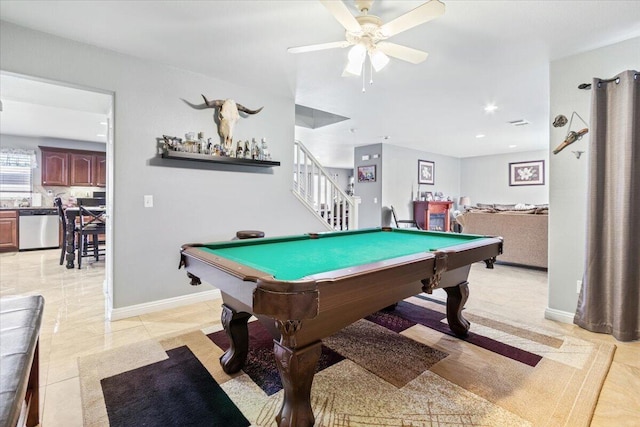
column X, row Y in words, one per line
column 179, row 155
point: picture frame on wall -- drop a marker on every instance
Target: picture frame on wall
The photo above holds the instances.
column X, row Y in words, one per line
column 526, row 173
column 426, row 172
column 367, row 173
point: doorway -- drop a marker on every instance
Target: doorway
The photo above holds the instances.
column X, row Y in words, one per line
column 38, row 112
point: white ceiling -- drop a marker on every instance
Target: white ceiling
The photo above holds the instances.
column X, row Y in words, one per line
column 36, row 108
column 479, row 52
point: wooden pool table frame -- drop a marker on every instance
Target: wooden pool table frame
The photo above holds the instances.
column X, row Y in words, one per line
column 299, row 313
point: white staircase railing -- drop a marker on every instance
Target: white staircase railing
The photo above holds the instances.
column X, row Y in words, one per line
column 320, row 193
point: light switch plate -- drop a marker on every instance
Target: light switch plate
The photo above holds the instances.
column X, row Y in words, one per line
column 148, row 201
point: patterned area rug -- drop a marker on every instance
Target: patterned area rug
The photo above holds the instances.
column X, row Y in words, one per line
column 395, row 368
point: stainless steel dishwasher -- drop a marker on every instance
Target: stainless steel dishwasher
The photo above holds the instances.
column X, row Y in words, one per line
column 38, row 228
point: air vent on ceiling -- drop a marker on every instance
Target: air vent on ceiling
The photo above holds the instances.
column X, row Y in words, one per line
column 521, row 122
column 311, row 118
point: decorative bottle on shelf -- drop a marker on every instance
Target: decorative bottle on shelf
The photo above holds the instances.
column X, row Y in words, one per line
column 202, row 143
column 265, row 150
column 247, row 150
column 255, row 151
column 239, row 150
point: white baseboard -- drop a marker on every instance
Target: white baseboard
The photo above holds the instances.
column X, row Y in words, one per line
column 558, row 316
column 153, row 306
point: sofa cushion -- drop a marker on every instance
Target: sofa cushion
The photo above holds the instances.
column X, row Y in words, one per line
column 518, row 211
column 500, row 207
column 20, row 320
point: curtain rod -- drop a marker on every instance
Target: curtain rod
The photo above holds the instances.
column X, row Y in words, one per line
column 587, row 86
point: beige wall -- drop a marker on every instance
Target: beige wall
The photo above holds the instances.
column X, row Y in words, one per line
column 485, row 179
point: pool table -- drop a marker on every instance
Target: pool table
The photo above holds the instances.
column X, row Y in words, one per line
column 307, row 287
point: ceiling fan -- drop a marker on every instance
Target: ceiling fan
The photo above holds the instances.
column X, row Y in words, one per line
column 367, row 34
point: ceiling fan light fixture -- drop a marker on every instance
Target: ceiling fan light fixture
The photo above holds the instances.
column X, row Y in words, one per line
column 356, row 59
column 352, row 69
column 378, row 59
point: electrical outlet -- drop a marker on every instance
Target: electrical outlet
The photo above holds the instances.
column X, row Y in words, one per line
column 148, row 201
column 578, row 286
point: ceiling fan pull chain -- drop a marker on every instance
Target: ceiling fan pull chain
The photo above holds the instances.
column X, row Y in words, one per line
column 371, row 72
column 363, row 73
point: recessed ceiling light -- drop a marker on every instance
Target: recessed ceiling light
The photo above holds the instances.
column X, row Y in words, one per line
column 101, row 136
column 103, row 123
column 512, row 146
column 490, row 108
column 480, row 135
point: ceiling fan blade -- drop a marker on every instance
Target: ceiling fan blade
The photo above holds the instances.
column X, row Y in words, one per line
column 340, row 11
column 321, row 46
column 404, row 53
column 417, row 16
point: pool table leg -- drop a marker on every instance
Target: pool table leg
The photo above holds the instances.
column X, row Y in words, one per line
column 297, row 367
column 489, row 262
column 456, row 297
column 235, row 325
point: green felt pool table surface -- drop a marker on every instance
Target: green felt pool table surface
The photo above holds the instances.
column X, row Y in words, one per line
column 296, row 257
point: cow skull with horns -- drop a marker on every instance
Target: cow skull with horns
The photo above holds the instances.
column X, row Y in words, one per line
column 228, row 115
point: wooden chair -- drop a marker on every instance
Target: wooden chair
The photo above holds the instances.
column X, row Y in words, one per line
column 88, row 235
column 411, row 223
column 91, row 201
column 57, row 202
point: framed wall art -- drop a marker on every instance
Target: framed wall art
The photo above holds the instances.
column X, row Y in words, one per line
column 426, row 172
column 526, row 173
column 367, row 173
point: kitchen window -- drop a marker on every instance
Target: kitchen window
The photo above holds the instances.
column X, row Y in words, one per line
column 16, row 177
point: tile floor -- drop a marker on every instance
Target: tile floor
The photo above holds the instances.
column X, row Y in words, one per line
column 74, row 326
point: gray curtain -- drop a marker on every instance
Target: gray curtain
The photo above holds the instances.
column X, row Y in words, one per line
column 609, row 301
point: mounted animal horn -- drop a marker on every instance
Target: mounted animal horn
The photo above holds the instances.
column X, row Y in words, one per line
column 228, row 115
column 248, row 111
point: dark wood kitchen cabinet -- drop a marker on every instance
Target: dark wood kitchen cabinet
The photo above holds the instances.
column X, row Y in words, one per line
column 100, row 168
column 66, row 167
column 81, row 169
column 55, row 167
column 8, row 231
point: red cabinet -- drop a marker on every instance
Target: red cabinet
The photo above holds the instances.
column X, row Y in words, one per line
column 432, row 215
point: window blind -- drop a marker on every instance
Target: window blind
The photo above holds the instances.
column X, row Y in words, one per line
column 15, row 172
